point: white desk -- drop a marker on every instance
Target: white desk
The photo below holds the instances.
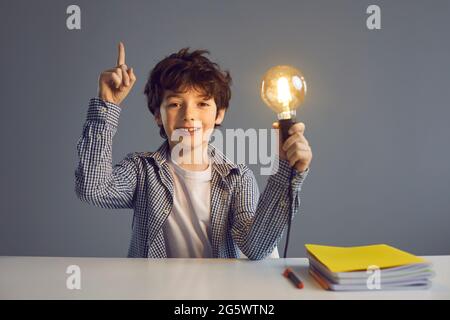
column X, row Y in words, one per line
column 115, row 278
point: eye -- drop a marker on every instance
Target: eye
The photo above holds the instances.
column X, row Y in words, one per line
column 173, row 104
column 203, row 104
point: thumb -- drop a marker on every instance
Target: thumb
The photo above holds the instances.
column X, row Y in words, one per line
column 276, row 125
column 280, row 152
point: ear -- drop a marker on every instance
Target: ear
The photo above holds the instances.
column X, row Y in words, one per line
column 158, row 118
column 220, row 115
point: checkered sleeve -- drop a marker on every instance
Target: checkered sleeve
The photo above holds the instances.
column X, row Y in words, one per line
column 96, row 180
column 259, row 221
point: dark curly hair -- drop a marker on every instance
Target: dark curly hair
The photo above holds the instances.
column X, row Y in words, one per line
column 185, row 70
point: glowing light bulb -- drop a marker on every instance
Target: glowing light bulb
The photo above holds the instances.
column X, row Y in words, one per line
column 283, row 89
column 284, row 95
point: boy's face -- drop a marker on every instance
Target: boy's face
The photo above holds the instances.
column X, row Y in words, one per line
column 188, row 110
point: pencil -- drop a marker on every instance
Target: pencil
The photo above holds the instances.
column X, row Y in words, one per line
column 291, row 275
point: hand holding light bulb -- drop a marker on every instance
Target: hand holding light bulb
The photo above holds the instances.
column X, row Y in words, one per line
column 296, row 148
column 283, row 89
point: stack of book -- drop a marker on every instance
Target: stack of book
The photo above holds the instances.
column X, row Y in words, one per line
column 373, row 267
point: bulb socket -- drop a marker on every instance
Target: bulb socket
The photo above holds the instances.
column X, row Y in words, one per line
column 285, row 125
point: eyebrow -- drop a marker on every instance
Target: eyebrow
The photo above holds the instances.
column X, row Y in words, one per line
column 174, row 95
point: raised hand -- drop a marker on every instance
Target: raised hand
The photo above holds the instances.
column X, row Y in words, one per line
column 115, row 84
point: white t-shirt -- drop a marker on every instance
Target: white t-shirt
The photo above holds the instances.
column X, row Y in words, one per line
column 187, row 230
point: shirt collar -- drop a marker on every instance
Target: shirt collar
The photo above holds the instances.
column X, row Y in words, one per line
column 220, row 162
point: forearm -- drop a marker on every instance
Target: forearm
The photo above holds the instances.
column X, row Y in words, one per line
column 95, row 181
column 259, row 233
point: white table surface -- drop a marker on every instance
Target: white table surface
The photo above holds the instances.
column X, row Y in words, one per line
column 122, row 278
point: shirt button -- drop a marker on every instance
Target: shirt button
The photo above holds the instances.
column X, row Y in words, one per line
column 283, row 203
column 104, row 110
column 99, row 136
column 166, row 211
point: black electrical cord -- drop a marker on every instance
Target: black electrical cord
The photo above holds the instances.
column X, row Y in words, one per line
column 290, row 213
column 285, row 124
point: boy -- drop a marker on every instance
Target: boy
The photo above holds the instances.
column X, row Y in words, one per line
column 208, row 209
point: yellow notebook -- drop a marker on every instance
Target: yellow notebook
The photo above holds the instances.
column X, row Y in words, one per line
column 347, row 259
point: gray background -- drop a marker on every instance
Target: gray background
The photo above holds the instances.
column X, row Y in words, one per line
column 376, row 113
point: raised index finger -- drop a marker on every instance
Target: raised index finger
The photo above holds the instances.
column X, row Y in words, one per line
column 121, row 56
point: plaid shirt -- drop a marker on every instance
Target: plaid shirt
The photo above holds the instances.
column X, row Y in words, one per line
column 240, row 218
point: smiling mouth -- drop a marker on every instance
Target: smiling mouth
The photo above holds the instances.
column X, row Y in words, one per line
column 190, row 130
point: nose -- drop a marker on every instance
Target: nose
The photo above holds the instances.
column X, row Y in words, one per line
column 189, row 113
